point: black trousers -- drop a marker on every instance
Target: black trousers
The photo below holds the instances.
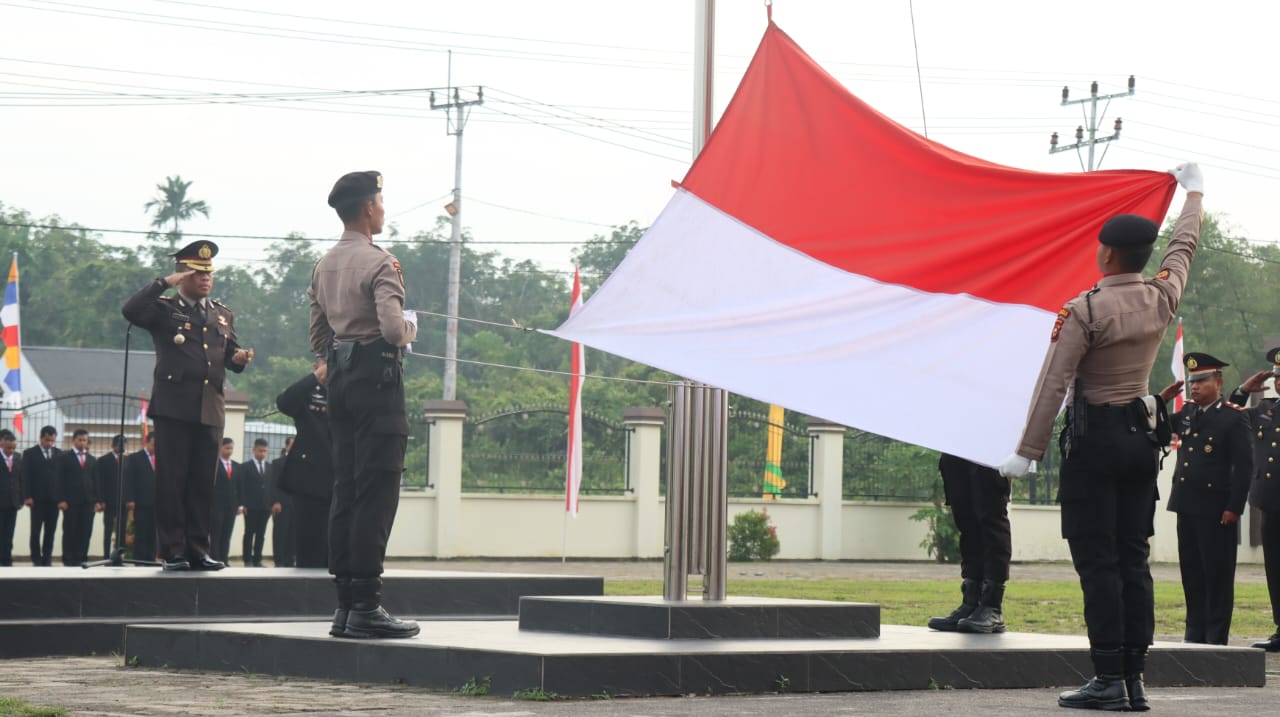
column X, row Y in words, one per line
column 222, row 521
column 1207, row 556
column 8, row 521
column 370, row 432
column 1271, row 560
column 186, row 456
column 1108, row 495
column 144, row 532
column 77, row 528
column 311, row 530
column 284, row 537
column 109, row 517
column 44, row 523
column 255, row 534
column 979, row 500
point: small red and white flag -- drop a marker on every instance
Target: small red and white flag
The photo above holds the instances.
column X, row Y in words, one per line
column 573, row 454
column 1179, row 371
column 142, row 418
column 820, row 256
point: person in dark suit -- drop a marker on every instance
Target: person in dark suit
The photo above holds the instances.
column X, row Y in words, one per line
column 106, row 477
column 226, row 503
column 307, row 473
column 77, row 498
column 38, row 478
column 12, row 493
column 1210, row 486
column 140, row 497
column 284, row 538
column 1264, row 491
column 195, row 343
column 255, row 503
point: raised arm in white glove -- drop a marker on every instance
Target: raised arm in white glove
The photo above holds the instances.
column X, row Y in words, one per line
column 1015, row 466
column 1189, row 176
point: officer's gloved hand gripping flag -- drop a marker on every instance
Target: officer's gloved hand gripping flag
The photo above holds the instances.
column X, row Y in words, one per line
column 822, row 257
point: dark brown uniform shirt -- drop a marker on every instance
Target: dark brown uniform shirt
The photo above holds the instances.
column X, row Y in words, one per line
column 1112, row 349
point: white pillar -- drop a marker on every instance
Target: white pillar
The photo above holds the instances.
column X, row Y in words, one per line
column 828, row 480
column 644, row 467
column 444, row 471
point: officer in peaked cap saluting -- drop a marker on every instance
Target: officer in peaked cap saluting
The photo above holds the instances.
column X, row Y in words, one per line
column 358, row 327
column 1210, row 486
column 1264, row 491
column 195, row 343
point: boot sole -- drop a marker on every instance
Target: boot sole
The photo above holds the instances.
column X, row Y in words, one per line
column 362, row 635
column 971, row 630
column 1120, row 705
column 942, row 627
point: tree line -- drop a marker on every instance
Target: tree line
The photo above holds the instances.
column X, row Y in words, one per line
column 73, row 284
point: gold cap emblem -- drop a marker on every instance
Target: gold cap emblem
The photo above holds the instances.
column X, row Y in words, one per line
column 1192, row 364
column 379, row 182
column 205, row 252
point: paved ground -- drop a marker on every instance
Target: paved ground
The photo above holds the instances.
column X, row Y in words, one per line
column 102, row 686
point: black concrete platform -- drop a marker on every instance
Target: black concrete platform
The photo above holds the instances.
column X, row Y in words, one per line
column 449, row 654
column 69, row 611
column 643, row 616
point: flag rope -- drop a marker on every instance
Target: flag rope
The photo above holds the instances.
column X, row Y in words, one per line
column 540, row 370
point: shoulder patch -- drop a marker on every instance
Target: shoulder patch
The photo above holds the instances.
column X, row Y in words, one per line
column 1063, row 313
column 1163, row 274
column 396, row 263
column 1229, row 404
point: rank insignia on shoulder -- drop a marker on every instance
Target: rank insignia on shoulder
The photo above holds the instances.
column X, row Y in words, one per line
column 1063, row 313
column 1163, row 274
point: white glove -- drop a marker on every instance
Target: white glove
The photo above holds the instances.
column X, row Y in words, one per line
column 411, row 317
column 1015, row 466
column 1189, row 176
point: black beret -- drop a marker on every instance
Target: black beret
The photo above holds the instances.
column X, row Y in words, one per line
column 1128, row 230
column 354, row 186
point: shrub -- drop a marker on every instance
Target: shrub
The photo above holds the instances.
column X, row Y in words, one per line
column 752, row 536
column 942, row 542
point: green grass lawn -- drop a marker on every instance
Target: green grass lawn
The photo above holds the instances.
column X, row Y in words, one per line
column 12, row 707
column 1052, row 607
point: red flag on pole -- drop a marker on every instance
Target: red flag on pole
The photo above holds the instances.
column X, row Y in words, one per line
column 573, row 455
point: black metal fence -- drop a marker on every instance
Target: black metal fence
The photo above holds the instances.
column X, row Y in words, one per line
column 98, row 413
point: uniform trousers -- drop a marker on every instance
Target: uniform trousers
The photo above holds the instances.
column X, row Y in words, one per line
column 44, row 523
column 186, row 456
column 311, row 530
column 1207, row 557
column 255, row 534
column 1108, row 494
column 109, row 517
column 77, row 528
column 1271, row 560
column 284, row 536
column 144, row 532
column 8, row 521
column 979, row 500
column 370, row 432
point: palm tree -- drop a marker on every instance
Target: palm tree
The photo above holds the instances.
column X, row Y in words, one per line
column 172, row 205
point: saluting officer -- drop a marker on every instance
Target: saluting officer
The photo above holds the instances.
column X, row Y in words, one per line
column 358, row 327
column 1106, row 340
column 195, row 340
column 306, row 472
column 1210, row 487
column 1264, row 491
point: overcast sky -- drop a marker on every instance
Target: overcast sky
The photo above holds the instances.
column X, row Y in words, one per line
column 587, row 106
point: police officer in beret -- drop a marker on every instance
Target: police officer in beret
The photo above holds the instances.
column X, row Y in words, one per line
column 195, row 344
column 1102, row 347
column 358, row 328
column 1210, row 487
column 1264, row 491
column 979, row 500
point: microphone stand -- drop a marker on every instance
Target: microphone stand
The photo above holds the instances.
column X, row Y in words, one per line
column 117, row 558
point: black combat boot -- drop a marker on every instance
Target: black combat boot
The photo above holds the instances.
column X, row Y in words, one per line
column 339, row 627
column 971, row 589
column 1106, row 691
column 367, row 619
column 987, row 618
column 1135, row 661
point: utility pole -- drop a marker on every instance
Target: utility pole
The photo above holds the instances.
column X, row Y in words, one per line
column 1092, row 119
column 454, row 101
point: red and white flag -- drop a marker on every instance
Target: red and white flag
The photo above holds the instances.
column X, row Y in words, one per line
column 822, row 257
column 573, row 454
column 1179, row 371
column 142, row 418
